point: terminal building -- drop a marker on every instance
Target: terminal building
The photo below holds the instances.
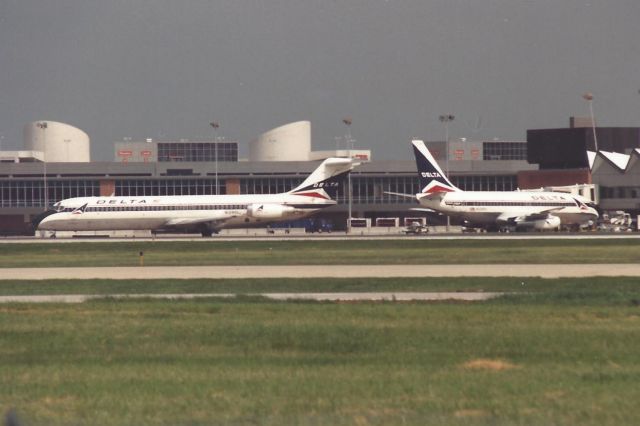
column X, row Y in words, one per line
column 56, row 165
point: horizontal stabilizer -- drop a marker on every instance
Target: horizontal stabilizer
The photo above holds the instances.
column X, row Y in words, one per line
column 398, row 194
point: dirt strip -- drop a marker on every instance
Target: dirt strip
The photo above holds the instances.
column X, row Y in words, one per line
column 321, row 297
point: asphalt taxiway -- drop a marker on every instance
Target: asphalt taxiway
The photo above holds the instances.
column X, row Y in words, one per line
column 324, row 271
column 336, row 236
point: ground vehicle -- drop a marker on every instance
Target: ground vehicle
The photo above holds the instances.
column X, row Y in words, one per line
column 319, row 225
column 416, row 228
column 617, row 221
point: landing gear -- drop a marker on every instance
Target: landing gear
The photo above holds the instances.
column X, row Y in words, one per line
column 205, row 231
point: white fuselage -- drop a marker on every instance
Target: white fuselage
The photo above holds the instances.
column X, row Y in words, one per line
column 491, row 207
column 190, row 212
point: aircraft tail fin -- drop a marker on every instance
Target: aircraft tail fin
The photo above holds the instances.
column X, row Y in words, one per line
column 324, row 181
column 432, row 178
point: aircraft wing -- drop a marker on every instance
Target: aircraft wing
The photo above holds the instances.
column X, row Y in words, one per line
column 518, row 216
column 189, row 221
column 543, row 214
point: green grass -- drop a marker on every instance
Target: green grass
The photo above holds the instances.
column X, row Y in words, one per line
column 410, row 251
column 512, row 361
column 554, row 351
column 572, row 291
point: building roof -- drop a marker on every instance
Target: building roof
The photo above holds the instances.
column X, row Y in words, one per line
column 621, row 162
column 242, row 168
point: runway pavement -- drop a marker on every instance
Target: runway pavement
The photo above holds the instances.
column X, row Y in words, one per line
column 322, row 271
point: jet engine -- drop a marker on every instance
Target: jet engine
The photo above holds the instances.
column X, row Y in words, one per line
column 268, row 211
column 550, row 223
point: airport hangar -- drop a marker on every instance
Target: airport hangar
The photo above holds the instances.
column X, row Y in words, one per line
column 281, row 158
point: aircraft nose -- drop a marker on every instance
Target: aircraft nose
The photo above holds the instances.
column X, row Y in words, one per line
column 47, row 224
column 40, row 217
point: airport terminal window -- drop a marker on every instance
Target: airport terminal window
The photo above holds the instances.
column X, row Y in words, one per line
column 197, row 151
column 30, row 193
column 504, row 151
column 486, row 183
column 366, row 189
column 268, row 185
column 149, row 187
column 620, row 192
column 372, row 190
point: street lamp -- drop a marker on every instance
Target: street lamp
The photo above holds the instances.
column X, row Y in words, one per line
column 349, row 143
column 215, row 125
column 43, row 125
column 589, row 98
column 446, row 119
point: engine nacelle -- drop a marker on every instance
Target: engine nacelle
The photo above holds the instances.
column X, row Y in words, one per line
column 551, row 223
column 268, row 211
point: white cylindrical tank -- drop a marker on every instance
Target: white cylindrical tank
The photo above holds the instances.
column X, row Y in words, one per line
column 60, row 142
column 291, row 142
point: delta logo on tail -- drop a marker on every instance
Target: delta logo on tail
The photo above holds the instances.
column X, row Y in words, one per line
column 432, row 179
column 326, row 189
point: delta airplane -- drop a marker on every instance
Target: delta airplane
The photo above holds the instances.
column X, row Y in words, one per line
column 206, row 214
column 498, row 209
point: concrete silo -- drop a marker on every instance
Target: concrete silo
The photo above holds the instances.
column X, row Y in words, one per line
column 60, row 142
column 291, row 142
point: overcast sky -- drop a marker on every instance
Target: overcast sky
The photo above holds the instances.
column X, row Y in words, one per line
column 164, row 69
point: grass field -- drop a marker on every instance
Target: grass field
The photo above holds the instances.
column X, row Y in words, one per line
column 558, row 351
column 605, row 290
column 410, row 251
column 554, row 352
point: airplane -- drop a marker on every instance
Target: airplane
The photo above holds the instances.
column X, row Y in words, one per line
column 206, row 214
column 498, row 210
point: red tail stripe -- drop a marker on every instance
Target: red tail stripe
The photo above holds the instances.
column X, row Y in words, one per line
column 312, row 194
column 438, row 188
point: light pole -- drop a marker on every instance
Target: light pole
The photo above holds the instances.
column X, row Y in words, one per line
column 43, row 125
column 349, row 143
column 215, row 125
column 446, row 119
column 589, row 98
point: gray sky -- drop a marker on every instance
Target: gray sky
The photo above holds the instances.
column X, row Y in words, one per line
column 164, row 69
